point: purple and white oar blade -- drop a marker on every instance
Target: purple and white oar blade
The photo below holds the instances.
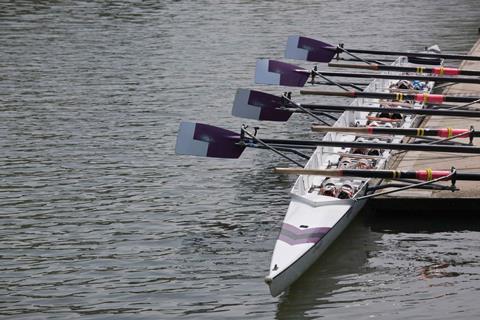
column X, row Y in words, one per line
column 257, row 105
column 280, row 73
column 303, row 48
column 203, row 140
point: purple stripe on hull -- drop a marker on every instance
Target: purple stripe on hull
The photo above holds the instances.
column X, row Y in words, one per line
column 293, row 235
column 293, row 242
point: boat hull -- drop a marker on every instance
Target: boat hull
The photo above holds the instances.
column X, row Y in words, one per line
column 285, row 278
column 315, row 218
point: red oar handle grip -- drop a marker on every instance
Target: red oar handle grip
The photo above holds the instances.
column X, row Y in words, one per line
column 429, row 174
column 446, row 71
column 429, row 98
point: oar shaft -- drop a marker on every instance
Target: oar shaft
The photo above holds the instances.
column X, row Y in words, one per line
column 381, row 174
column 432, row 112
column 394, row 77
column 419, row 97
column 416, row 54
column 426, row 175
column 421, row 132
column 432, row 70
column 373, row 145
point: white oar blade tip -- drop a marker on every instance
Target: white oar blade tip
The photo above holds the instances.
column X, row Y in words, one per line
column 241, row 107
column 263, row 75
column 186, row 144
column 293, row 51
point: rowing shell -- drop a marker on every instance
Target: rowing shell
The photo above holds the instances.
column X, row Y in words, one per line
column 313, row 220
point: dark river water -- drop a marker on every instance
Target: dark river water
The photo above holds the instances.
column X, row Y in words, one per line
column 100, row 220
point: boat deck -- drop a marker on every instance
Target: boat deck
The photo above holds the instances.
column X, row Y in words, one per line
column 469, row 190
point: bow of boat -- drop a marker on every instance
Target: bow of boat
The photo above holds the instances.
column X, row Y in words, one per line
column 307, row 231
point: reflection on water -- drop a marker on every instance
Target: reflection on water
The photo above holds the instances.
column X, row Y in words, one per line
column 99, row 218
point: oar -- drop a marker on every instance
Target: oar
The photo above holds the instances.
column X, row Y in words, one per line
column 438, row 79
column 430, row 112
column 419, row 97
column 435, row 70
column 420, row 132
column 209, row 141
column 258, row 105
column 378, row 145
column 309, row 49
column 275, row 72
column 425, row 175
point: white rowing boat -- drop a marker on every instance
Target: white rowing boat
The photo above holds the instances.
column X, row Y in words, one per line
column 314, row 220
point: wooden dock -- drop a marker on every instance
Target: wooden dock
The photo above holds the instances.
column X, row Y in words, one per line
column 469, row 194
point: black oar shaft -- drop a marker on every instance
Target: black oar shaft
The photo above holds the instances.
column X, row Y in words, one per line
column 401, row 77
column 396, row 174
column 426, row 175
column 420, row 97
column 373, row 145
column 435, row 70
column 421, row 132
column 432, row 112
column 445, row 132
column 416, row 54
